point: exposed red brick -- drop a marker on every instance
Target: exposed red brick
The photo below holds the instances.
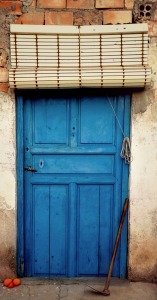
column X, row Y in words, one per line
column 58, row 18
column 14, row 7
column 84, row 18
column 33, row 4
column 109, row 3
column 3, row 58
column 51, row 3
column 3, row 75
column 80, row 4
column 129, row 4
column 34, row 18
column 117, row 16
column 4, row 87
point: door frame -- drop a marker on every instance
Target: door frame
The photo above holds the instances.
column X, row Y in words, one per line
column 20, row 181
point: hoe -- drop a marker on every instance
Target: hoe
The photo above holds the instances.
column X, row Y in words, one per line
column 105, row 291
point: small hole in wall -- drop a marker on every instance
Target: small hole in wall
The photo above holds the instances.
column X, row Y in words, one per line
column 141, row 7
column 148, row 14
column 141, row 13
column 148, row 7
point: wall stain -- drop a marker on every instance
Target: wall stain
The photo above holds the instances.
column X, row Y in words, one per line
column 143, row 259
column 147, row 276
column 141, row 101
column 154, row 222
column 8, row 263
column 11, row 255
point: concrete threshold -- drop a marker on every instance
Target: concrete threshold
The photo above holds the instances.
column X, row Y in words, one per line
column 77, row 289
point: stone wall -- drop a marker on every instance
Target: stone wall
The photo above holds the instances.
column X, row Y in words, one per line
column 142, row 262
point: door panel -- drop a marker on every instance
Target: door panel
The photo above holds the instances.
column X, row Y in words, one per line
column 46, row 131
column 96, row 121
column 88, row 229
column 94, row 230
column 58, row 229
column 73, row 163
column 74, row 200
column 50, row 229
column 41, row 229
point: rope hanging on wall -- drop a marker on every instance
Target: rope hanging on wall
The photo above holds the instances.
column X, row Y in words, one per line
column 126, row 150
column 126, row 145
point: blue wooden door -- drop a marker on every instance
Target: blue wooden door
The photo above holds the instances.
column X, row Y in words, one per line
column 72, row 204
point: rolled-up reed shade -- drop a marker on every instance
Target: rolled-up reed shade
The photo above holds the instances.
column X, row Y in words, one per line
column 86, row 56
column 77, row 77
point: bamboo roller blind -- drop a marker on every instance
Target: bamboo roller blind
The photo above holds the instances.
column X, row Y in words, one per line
column 86, row 56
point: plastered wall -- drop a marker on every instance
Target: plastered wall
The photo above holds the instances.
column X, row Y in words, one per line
column 7, row 186
column 142, row 264
column 142, row 253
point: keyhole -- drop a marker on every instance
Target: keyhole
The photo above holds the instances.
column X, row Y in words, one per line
column 73, row 128
column 27, row 149
column 41, row 163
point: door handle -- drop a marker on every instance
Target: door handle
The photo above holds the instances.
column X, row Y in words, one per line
column 30, row 169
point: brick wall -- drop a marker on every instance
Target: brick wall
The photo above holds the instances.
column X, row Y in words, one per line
column 66, row 12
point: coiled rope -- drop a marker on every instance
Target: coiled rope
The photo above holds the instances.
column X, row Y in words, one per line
column 126, row 150
column 126, row 145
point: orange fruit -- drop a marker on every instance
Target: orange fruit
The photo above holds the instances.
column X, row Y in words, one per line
column 16, row 281
column 7, row 281
column 10, row 285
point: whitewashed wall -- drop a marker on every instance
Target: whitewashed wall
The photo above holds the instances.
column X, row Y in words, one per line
column 143, row 180
column 7, row 186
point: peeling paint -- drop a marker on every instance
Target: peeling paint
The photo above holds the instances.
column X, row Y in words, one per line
column 154, row 111
column 7, row 187
column 142, row 100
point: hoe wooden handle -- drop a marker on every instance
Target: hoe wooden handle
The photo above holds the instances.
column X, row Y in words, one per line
column 107, row 283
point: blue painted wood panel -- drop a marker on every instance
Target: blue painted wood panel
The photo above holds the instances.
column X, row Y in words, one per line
column 105, row 229
column 88, row 230
column 94, row 229
column 45, row 130
column 72, row 204
column 72, row 163
column 58, row 229
column 41, row 229
column 96, row 115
